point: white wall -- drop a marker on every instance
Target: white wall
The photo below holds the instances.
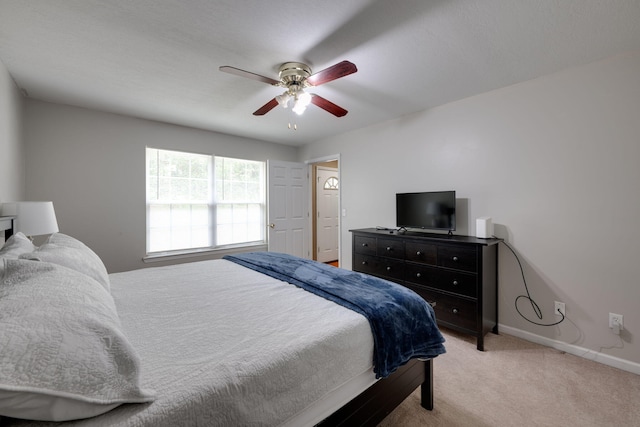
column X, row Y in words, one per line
column 12, row 174
column 92, row 166
column 554, row 162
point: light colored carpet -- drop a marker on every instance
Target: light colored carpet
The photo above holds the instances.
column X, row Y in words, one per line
column 518, row 383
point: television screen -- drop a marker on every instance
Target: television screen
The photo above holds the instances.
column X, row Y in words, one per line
column 435, row 210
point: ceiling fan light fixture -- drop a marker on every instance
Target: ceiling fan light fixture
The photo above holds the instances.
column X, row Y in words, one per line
column 298, row 108
column 283, row 99
column 302, row 100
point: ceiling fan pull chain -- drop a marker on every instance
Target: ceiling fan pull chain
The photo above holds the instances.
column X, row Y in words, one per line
column 292, row 118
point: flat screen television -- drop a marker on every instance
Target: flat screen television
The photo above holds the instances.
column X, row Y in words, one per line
column 433, row 210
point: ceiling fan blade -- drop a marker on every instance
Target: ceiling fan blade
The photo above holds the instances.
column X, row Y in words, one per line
column 253, row 76
column 328, row 106
column 334, row 72
column 266, row 108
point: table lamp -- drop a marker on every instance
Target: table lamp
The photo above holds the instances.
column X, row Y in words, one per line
column 32, row 218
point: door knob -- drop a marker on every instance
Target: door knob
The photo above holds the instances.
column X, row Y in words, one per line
column 272, row 225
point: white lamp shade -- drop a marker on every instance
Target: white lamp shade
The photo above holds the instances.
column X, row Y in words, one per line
column 32, row 218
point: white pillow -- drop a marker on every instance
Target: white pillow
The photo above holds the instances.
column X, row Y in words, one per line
column 15, row 246
column 64, row 355
column 70, row 252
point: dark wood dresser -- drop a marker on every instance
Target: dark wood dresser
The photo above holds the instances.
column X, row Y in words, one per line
column 457, row 273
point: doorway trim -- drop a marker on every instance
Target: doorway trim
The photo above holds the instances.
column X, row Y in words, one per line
column 312, row 195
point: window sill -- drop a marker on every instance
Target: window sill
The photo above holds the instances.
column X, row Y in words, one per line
column 206, row 252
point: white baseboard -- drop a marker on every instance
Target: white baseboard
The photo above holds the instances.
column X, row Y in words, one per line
column 586, row 353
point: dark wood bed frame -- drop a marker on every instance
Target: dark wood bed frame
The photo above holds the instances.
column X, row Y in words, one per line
column 372, row 405
column 375, row 403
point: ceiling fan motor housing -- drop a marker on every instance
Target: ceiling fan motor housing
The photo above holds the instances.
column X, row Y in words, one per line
column 294, row 74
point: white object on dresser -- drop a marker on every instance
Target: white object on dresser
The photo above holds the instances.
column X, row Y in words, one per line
column 484, row 227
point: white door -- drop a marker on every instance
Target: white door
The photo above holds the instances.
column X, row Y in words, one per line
column 288, row 208
column 327, row 206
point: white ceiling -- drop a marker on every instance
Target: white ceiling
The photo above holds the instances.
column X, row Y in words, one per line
column 159, row 59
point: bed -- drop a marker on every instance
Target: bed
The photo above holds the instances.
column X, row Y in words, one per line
column 206, row 343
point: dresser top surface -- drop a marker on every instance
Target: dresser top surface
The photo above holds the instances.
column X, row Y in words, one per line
column 443, row 238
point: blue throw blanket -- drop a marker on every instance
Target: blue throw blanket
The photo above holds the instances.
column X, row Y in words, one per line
column 403, row 324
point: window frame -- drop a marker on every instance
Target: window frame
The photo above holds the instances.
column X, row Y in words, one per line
column 212, row 205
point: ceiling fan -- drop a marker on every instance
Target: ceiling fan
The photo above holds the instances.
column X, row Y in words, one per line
column 295, row 77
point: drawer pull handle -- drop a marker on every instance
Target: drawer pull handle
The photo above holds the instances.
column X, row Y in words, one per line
column 389, row 248
column 364, row 263
column 418, row 275
column 455, row 258
column 418, row 253
column 364, row 245
column 388, row 268
column 455, row 311
column 455, row 283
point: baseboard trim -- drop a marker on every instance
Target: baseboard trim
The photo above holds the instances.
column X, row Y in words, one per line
column 585, row 353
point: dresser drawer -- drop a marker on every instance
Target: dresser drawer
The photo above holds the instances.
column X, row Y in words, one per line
column 378, row 266
column 456, row 311
column 421, row 252
column 456, row 282
column 390, row 269
column 364, row 245
column 421, row 274
column 392, row 248
column 461, row 258
column 365, row 263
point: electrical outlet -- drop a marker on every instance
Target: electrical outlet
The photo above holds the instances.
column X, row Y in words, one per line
column 559, row 307
column 616, row 319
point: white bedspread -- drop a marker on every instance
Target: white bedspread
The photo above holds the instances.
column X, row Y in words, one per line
column 223, row 345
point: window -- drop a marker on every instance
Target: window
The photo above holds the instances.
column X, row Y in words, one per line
column 197, row 201
column 331, row 183
column 240, row 201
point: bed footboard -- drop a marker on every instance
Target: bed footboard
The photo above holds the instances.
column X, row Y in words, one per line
column 374, row 404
